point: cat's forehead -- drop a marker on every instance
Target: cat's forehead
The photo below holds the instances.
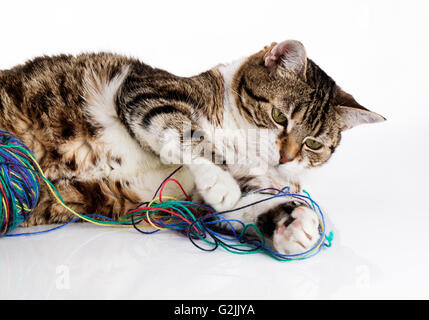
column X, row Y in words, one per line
column 290, row 88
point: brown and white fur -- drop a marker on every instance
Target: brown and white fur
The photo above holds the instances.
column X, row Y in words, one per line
column 107, row 129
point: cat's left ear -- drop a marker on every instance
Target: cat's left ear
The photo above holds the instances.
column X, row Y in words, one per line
column 289, row 55
column 351, row 112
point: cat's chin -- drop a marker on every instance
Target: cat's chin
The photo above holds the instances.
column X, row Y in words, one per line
column 292, row 171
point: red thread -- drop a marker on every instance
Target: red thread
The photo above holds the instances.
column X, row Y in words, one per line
column 178, row 183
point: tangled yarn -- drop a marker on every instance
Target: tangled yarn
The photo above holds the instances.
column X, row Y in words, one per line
column 19, row 191
column 19, row 185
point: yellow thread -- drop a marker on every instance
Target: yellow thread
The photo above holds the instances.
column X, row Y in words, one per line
column 147, row 212
column 70, row 209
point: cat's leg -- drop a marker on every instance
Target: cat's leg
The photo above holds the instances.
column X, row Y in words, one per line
column 289, row 226
column 84, row 197
column 216, row 185
column 178, row 140
column 49, row 210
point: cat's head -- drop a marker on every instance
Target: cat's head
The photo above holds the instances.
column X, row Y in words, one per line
column 279, row 88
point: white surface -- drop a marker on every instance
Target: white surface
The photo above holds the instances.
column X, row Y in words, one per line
column 373, row 190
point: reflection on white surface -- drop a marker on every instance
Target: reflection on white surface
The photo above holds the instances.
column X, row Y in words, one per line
column 84, row 261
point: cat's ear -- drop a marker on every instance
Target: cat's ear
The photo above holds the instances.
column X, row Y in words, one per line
column 289, row 55
column 351, row 112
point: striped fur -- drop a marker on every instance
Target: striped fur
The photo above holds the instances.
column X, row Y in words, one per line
column 107, row 129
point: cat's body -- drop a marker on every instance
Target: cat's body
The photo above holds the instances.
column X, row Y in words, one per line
column 53, row 105
column 104, row 126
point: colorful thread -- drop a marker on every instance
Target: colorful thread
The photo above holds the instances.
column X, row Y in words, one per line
column 20, row 189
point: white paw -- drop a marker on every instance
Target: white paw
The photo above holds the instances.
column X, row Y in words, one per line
column 301, row 235
column 218, row 188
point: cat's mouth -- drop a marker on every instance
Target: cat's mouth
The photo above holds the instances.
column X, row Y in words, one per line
column 284, row 157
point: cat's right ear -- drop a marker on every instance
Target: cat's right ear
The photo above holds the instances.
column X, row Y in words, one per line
column 289, row 55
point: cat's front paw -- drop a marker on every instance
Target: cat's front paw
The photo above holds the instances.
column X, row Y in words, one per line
column 218, row 188
column 300, row 235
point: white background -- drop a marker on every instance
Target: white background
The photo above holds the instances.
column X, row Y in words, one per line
column 373, row 190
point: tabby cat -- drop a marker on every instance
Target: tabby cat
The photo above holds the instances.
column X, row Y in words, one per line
column 107, row 129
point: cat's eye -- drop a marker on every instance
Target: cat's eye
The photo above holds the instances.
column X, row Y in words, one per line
column 279, row 117
column 313, row 144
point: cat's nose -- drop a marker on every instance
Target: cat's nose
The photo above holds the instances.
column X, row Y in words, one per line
column 284, row 157
column 289, row 150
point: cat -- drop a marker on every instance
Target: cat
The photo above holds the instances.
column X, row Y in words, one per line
column 107, row 129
